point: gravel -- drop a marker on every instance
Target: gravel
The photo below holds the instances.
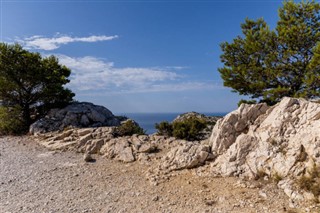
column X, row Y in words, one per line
column 34, row 179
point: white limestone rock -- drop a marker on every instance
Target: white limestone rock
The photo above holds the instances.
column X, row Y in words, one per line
column 283, row 141
column 119, row 149
column 186, row 156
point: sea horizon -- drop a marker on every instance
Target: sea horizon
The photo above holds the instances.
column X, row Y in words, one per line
column 147, row 120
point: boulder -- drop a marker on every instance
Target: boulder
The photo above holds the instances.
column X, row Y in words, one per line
column 119, row 149
column 78, row 115
column 186, row 156
column 232, row 125
column 281, row 142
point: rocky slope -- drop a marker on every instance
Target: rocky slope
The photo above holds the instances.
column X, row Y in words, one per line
column 278, row 144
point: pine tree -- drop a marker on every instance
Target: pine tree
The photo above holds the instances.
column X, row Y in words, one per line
column 270, row 64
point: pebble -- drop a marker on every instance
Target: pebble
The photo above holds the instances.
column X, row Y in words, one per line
column 209, row 202
column 87, row 157
column 262, row 194
column 156, row 198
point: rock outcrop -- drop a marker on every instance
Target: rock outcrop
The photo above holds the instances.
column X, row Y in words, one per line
column 78, row 115
column 90, row 129
column 166, row 154
column 280, row 142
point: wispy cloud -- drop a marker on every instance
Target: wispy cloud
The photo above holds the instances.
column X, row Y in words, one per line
column 94, row 74
column 46, row 43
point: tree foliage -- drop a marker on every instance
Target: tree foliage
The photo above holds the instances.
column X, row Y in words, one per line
column 270, row 64
column 27, row 80
column 11, row 122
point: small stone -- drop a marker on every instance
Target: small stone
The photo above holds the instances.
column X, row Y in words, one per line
column 88, row 158
column 147, row 148
column 156, row 198
column 291, row 204
column 262, row 194
column 209, row 202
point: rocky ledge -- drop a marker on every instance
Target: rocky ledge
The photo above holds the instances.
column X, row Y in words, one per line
column 78, row 114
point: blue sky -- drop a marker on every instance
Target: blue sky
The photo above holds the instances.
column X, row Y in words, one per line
column 137, row 56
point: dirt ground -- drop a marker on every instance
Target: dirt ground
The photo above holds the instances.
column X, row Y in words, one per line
column 34, row 179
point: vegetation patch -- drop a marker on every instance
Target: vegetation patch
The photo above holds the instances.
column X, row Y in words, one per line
column 11, row 122
column 129, row 128
column 164, row 128
column 311, row 181
column 260, row 174
column 188, row 129
column 30, row 86
column 276, row 177
column 269, row 63
column 242, row 101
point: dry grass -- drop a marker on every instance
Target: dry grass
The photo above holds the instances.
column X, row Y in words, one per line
column 276, row 177
column 311, row 181
column 260, row 174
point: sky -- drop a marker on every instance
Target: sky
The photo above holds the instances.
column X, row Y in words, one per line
column 137, row 56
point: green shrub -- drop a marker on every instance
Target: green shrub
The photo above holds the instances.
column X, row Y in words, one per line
column 164, row 128
column 188, row 129
column 277, row 177
column 129, row 128
column 11, row 122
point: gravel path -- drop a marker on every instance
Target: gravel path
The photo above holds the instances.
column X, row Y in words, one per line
column 33, row 179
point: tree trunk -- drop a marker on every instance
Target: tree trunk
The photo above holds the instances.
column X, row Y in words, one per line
column 26, row 114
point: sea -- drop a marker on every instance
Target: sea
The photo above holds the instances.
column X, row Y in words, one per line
column 148, row 120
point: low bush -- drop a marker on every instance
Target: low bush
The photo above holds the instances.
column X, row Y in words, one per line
column 11, row 122
column 188, row 129
column 164, row 128
column 129, row 128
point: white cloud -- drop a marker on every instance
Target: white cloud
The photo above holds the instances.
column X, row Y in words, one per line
column 45, row 43
column 94, row 74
